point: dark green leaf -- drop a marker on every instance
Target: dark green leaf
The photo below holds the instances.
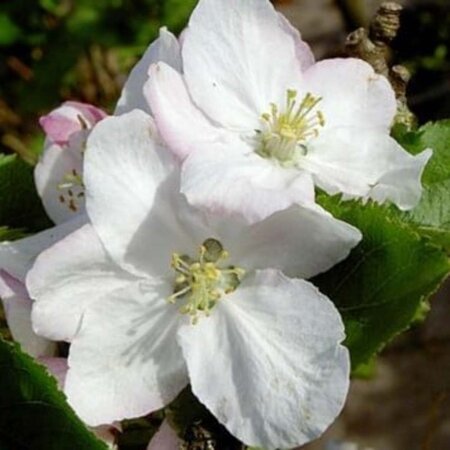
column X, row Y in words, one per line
column 20, row 206
column 34, row 414
column 432, row 215
column 380, row 287
column 9, row 31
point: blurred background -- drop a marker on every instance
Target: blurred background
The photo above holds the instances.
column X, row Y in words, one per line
column 55, row 50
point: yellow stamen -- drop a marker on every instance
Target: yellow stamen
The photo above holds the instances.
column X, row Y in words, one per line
column 204, row 281
column 284, row 134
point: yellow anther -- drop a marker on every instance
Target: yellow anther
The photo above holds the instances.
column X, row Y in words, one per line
column 284, row 133
column 203, row 282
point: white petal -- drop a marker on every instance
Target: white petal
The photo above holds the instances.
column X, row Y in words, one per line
column 131, row 190
column 17, row 306
column 181, row 124
column 125, row 361
column 66, row 278
column 233, row 180
column 17, row 257
column 366, row 163
column 268, row 363
column 352, row 93
column 299, row 241
column 238, row 58
column 304, row 53
column 164, row 439
column 49, row 175
column 167, row 49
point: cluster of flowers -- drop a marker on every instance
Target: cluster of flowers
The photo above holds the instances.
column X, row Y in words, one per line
column 186, row 226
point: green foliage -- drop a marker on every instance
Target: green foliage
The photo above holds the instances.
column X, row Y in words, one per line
column 9, row 32
column 33, row 412
column 432, row 215
column 380, row 287
column 9, row 234
column 57, row 49
column 20, row 206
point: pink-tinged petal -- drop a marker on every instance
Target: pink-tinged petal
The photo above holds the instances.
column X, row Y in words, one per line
column 89, row 113
column 165, row 439
column 181, row 124
column 352, row 94
column 301, row 242
column 304, row 53
column 66, row 279
column 230, row 179
column 129, row 176
column 167, row 49
column 17, row 306
column 68, row 119
column 17, row 257
column 57, row 367
column 52, row 177
column 124, row 361
column 273, row 371
column 238, row 58
column 366, row 163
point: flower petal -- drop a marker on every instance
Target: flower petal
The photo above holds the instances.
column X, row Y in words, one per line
column 238, row 58
column 301, row 242
column 66, row 278
column 17, row 306
column 304, row 53
column 130, row 177
column 56, row 163
column 164, row 439
column 181, row 124
column 352, row 93
column 273, row 371
column 366, row 163
column 17, row 257
column 232, row 179
column 125, row 362
column 68, row 119
column 166, row 48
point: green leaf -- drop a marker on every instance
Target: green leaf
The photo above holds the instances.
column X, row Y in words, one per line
column 9, row 31
column 8, row 234
column 380, row 287
column 432, row 215
column 34, row 414
column 20, row 206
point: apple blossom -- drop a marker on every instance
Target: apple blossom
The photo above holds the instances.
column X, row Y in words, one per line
column 153, row 295
column 16, row 258
column 58, row 175
column 166, row 48
column 257, row 123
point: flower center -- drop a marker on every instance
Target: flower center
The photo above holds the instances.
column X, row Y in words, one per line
column 71, row 190
column 284, row 134
column 205, row 280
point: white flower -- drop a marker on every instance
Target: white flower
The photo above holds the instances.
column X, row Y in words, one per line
column 16, row 258
column 257, row 122
column 167, row 49
column 152, row 296
column 59, row 173
column 59, row 182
